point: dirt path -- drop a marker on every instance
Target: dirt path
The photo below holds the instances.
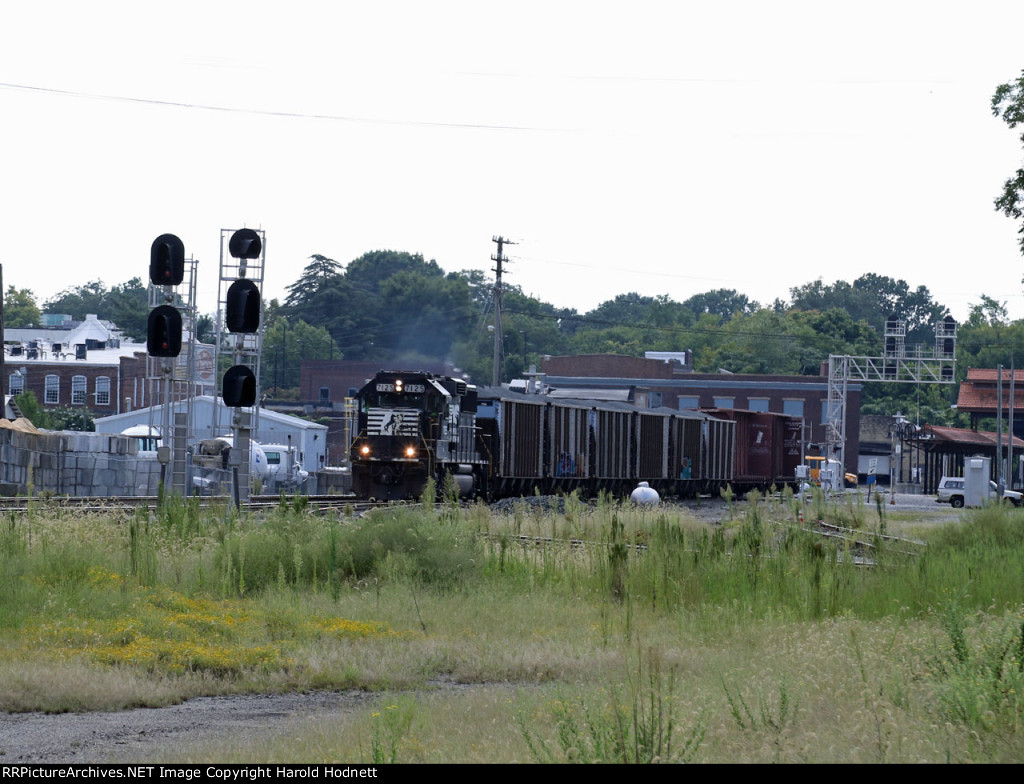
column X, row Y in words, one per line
column 138, row 735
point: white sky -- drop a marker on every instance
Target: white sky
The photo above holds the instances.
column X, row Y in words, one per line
column 659, row 147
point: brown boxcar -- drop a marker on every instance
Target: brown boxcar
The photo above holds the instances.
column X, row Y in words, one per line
column 766, row 451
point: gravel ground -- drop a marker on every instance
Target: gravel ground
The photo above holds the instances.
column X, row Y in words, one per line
column 139, row 734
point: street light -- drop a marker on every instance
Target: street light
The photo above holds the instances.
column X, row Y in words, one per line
column 897, row 431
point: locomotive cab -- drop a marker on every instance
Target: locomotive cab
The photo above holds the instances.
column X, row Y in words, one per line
column 414, row 426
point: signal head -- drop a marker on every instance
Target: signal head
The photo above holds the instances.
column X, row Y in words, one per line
column 245, row 244
column 239, row 387
column 163, row 332
column 167, row 261
column 242, row 306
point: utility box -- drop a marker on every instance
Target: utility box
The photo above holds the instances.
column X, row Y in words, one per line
column 977, row 475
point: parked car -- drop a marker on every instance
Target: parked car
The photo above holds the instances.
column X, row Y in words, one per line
column 951, row 491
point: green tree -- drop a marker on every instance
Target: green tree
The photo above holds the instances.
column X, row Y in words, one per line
column 20, row 308
column 426, row 312
column 988, row 338
column 77, row 301
column 1008, row 104
column 285, row 345
column 874, row 298
column 724, row 303
column 66, row 418
column 385, row 305
column 320, row 273
column 28, row 404
column 127, row 306
column 206, row 330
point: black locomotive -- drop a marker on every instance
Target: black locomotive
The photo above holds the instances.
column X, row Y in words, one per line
column 496, row 443
column 413, row 426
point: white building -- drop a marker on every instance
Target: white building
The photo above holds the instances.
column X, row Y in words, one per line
column 211, row 418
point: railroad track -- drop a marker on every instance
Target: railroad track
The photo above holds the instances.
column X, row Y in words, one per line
column 85, row 504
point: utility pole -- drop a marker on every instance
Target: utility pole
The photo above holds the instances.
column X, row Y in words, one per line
column 498, row 258
column 1009, row 426
column 1000, row 455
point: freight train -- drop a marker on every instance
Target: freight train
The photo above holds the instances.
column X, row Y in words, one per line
column 495, row 443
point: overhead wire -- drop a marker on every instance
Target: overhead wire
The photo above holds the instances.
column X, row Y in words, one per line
column 280, row 113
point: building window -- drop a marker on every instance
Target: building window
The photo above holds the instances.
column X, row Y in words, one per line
column 51, row 395
column 654, row 401
column 725, row 402
column 824, row 412
column 16, row 383
column 793, row 407
column 103, row 391
column 757, row 404
column 78, row 390
column 688, row 403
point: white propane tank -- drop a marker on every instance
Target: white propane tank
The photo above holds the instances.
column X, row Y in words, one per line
column 645, row 494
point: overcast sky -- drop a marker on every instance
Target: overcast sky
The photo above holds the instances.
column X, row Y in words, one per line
column 658, row 147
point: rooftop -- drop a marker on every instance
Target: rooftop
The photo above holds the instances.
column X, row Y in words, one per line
column 979, row 393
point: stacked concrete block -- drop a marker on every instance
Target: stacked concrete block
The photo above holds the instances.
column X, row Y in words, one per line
column 146, row 477
column 74, row 464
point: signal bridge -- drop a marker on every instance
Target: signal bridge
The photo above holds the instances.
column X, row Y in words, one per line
column 920, row 365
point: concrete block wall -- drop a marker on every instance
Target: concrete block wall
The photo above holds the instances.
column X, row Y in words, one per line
column 74, row 464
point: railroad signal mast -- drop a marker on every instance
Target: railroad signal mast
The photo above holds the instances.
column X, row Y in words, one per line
column 240, row 336
column 919, row 365
column 170, row 330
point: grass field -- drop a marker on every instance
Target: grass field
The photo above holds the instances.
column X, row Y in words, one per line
column 597, row 633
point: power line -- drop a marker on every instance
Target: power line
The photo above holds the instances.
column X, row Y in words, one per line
column 279, row 113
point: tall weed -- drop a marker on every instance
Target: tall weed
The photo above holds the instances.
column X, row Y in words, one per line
column 302, row 550
column 979, row 671
column 608, row 726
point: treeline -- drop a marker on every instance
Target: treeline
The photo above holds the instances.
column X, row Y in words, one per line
column 398, row 308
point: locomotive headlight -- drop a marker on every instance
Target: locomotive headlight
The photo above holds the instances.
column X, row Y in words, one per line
column 398, row 385
column 364, row 450
column 410, row 451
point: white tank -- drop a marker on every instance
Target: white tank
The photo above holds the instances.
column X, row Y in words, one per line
column 257, row 457
column 645, row 495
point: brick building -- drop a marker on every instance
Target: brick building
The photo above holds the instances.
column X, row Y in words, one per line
column 323, row 382
column 91, row 366
column 657, row 382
